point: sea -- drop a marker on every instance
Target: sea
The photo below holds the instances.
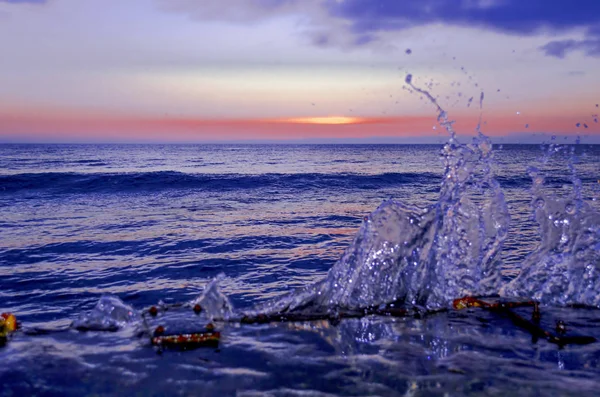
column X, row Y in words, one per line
column 141, row 225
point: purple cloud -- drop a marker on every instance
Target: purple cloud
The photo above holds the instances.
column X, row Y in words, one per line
column 510, row 16
column 560, row 48
column 364, row 39
column 359, row 22
column 520, row 17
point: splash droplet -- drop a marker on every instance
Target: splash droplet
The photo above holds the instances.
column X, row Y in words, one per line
column 526, row 125
column 540, row 203
column 578, row 125
column 109, row 314
column 408, row 78
column 408, row 51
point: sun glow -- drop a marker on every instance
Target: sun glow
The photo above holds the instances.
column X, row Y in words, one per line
column 325, row 120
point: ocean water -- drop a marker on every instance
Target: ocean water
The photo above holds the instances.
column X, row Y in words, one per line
column 152, row 223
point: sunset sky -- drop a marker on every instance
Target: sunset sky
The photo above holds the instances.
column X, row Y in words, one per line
column 244, row 70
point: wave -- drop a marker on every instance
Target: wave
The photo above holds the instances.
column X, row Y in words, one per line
column 164, row 180
column 554, row 182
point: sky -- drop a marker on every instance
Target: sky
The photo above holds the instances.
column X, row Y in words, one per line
column 297, row 70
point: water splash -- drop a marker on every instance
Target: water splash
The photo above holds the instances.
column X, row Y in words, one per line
column 109, row 314
column 421, row 256
column 565, row 267
column 429, row 256
column 214, row 304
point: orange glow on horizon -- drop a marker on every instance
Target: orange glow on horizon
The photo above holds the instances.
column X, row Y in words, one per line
column 49, row 124
column 325, row 120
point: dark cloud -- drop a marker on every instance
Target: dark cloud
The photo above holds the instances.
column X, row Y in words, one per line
column 560, row 48
column 352, row 23
column 521, row 17
column 364, row 39
column 511, row 16
column 321, row 40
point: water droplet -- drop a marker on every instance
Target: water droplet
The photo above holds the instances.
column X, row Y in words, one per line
column 518, row 113
column 540, row 203
column 408, row 51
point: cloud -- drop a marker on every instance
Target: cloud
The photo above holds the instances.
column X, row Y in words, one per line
column 358, row 23
column 517, row 17
column 509, row 16
column 560, row 48
column 240, row 11
column 311, row 17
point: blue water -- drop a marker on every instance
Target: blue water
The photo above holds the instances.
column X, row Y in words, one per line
column 157, row 222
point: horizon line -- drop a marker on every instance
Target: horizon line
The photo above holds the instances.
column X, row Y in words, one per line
column 514, row 138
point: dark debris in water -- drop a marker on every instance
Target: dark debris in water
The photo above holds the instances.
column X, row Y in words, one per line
column 208, row 336
column 532, row 326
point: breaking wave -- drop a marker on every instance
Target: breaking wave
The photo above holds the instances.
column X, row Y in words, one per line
column 58, row 182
